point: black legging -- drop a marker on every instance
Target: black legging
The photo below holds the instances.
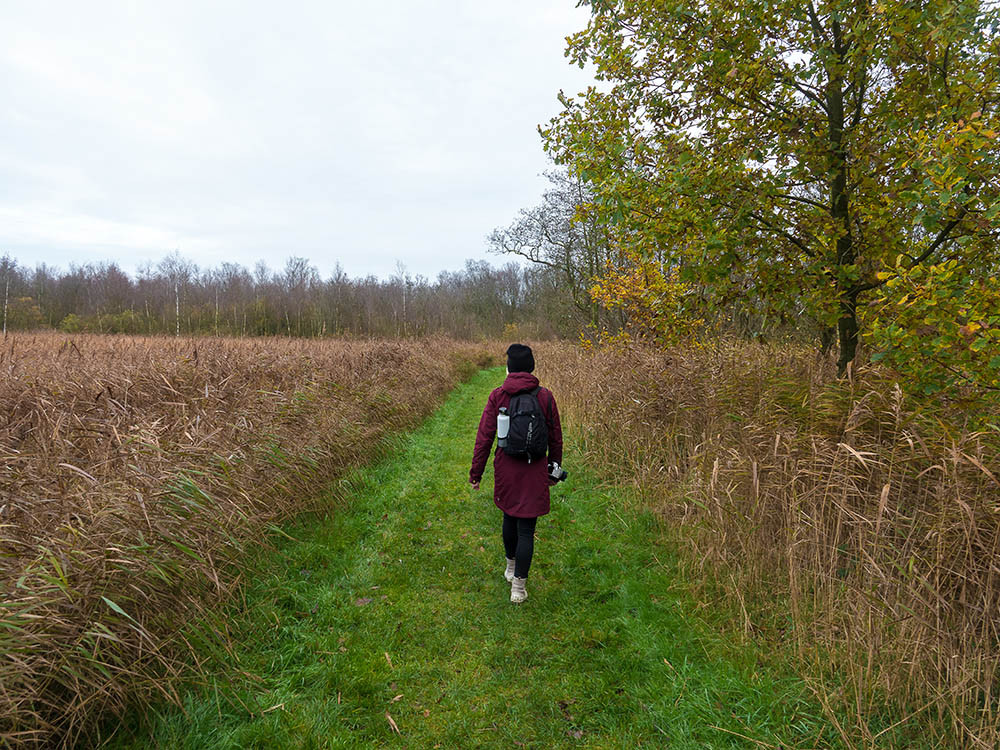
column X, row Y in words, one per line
column 519, row 542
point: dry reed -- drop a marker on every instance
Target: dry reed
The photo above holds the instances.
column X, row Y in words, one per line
column 133, row 474
column 841, row 518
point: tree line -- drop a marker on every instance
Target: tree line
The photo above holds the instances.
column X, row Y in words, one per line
column 549, row 296
column 176, row 296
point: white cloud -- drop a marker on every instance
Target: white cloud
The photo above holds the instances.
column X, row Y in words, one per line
column 363, row 133
column 33, row 225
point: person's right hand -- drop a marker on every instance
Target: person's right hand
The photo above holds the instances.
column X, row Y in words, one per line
column 475, row 485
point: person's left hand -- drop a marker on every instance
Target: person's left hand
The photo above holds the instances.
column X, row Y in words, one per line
column 475, row 485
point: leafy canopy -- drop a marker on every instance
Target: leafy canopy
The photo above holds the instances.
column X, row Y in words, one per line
column 804, row 154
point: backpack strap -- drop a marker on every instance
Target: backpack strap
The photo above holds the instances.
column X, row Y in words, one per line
column 538, row 389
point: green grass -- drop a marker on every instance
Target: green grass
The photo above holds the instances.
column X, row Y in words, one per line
column 397, row 604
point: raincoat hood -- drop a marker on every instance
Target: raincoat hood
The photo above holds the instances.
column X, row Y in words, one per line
column 519, row 382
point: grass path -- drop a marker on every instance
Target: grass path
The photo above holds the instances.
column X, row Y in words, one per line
column 395, row 608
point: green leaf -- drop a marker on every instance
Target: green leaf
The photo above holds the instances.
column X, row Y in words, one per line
column 116, row 608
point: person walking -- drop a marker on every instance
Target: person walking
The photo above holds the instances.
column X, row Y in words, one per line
column 530, row 417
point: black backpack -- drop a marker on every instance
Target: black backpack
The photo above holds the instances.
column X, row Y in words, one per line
column 528, row 437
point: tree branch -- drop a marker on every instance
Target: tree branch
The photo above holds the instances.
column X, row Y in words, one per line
column 530, row 256
column 807, row 201
column 942, row 238
column 787, row 235
column 817, row 27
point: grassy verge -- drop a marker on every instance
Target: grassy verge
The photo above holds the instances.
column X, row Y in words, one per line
column 388, row 623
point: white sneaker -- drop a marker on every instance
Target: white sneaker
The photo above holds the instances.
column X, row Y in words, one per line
column 517, row 591
column 509, row 573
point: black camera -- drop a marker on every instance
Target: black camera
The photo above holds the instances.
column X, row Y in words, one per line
column 557, row 473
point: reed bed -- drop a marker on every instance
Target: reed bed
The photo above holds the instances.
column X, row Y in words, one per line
column 134, row 475
column 836, row 517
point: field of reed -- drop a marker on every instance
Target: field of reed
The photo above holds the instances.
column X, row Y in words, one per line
column 134, row 475
column 842, row 520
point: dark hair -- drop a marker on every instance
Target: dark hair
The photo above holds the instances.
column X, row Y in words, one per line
column 520, row 358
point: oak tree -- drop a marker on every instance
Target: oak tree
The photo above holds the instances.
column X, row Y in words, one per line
column 819, row 148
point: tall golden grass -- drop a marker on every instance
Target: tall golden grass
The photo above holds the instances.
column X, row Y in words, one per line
column 134, row 472
column 838, row 516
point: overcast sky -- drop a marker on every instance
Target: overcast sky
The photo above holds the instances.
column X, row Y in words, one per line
column 365, row 133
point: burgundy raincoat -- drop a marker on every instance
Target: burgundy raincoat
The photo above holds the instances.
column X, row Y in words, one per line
column 520, row 489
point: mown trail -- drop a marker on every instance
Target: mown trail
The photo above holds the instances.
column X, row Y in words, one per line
column 394, row 613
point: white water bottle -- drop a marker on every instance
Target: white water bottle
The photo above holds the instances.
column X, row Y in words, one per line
column 503, row 427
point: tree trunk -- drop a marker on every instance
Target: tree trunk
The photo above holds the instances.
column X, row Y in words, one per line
column 847, row 330
column 827, row 335
column 847, row 324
